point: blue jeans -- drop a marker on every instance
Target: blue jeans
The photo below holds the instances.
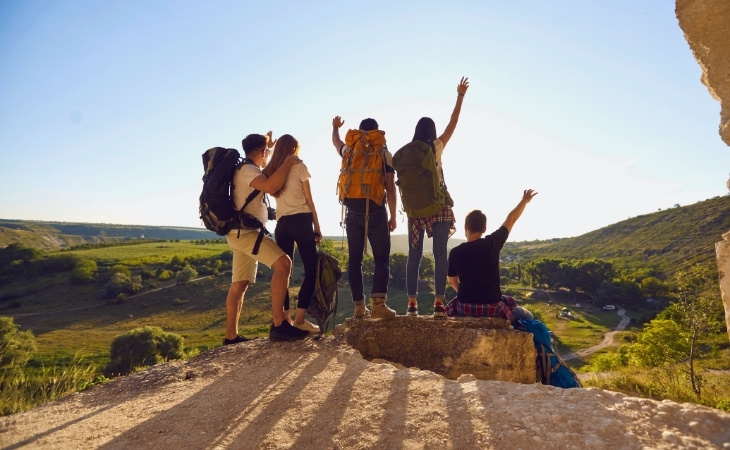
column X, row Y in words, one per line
column 441, row 232
column 379, row 238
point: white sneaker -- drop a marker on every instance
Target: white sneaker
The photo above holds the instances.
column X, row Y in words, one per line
column 307, row 326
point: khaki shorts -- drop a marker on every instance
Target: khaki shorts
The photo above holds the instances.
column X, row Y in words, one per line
column 244, row 263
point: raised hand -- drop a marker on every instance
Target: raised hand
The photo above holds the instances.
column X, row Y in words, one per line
column 337, row 122
column 463, row 86
column 270, row 141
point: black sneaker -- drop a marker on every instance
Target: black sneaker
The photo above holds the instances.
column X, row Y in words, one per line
column 286, row 332
column 235, row 340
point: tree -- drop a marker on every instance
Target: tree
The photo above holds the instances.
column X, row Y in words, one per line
column 85, row 270
column 539, row 273
column 143, row 347
column 653, row 287
column 398, row 264
column 426, row 270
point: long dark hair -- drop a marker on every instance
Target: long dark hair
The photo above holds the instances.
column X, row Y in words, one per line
column 285, row 146
column 425, row 131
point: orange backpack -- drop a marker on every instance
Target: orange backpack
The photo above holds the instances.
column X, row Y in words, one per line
column 362, row 174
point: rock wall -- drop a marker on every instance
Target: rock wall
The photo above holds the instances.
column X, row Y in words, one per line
column 706, row 26
column 487, row 348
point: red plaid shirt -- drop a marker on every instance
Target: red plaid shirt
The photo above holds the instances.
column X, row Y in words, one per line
column 501, row 309
column 425, row 223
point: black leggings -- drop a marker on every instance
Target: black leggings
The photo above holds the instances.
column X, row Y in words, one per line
column 298, row 229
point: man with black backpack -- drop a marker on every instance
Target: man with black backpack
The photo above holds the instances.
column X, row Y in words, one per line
column 365, row 185
column 249, row 246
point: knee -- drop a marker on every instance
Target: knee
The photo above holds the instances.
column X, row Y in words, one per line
column 283, row 264
column 239, row 287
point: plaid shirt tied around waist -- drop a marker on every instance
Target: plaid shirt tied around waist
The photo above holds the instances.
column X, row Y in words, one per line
column 425, row 223
column 502, row 308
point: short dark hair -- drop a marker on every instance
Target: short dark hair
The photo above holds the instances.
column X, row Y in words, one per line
column 253, row 142
column 476, row 221
column 368, row 125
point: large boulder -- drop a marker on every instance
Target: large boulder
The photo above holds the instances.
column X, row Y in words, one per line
column 487, row 348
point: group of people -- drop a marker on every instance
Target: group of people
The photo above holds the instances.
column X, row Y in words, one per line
column 471, row 268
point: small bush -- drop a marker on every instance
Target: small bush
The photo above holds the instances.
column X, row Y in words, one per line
column 185, row 275
column 121, row 283
column 84, row 271
column 143, row 347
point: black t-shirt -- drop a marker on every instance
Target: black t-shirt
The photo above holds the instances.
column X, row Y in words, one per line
column 358, row 204
column 476, row 263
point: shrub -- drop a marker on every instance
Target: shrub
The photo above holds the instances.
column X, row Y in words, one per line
column 120, row 268
column 120, row 283
column 143, row 347
column 186, row 274
column 85, row 270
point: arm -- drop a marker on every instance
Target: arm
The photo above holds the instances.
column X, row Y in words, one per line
column 310, row 203
column 515, row 214
column 277, row 179
column 337, row 122
column 460, row 90
column 391, row 198
column 454, row 282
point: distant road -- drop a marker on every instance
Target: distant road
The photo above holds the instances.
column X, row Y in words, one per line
column 606, row 342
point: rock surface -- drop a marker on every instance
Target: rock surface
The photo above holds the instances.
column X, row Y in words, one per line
column 706, row 26
column 324, row 395
column 487, row 348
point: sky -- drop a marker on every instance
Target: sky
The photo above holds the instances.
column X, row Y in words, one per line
column 107, row 107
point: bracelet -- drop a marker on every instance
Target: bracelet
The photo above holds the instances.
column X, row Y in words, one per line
column 460, row 95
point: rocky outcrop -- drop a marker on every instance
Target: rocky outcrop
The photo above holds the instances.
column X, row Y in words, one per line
column 487, row 348
column 706, row 26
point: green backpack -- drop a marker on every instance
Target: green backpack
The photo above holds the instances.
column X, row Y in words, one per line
column 323, row 306
column 422, row 194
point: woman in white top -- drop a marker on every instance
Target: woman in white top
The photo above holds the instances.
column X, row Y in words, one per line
column 440, row 226
column 296, row 222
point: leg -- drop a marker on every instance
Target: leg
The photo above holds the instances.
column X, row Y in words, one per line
column 279, row 288
column 355, row 227
column 415, row 253
column 234, row 303
column 379, row 238
column 441, row 231
column 285, row 241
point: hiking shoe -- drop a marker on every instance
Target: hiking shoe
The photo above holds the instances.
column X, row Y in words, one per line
column 235, row 340
column 412, row 310
column 361, row 310
column 380, row 309
column 286, row 333
column 438, row 311
column 307, row 326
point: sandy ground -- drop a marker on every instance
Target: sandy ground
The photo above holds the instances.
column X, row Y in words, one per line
column 323, row 395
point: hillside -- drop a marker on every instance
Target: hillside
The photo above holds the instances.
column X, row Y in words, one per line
column 664, row 238
column 58, row 235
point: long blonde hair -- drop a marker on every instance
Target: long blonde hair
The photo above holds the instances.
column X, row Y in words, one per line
column 286, row 145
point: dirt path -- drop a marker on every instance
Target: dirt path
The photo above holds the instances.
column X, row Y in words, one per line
column 606, row 342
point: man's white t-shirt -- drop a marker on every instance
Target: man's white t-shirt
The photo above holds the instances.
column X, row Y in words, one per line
column 292, row 199
column 241, row 181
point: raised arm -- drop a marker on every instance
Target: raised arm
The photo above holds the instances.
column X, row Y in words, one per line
column 515, row 214
column 337, row 122
column 277, row 179
column 461, row 91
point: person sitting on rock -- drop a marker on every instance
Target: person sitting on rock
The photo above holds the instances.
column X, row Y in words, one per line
column 473, row 269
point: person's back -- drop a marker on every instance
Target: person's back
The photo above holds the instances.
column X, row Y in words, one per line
column 366, row 217
column 477, row 265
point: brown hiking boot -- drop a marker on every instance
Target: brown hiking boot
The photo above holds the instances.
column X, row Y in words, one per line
column 380, row 309
column 361, row 310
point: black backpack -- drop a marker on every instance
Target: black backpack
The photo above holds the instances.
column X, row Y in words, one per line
column 217, row 209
